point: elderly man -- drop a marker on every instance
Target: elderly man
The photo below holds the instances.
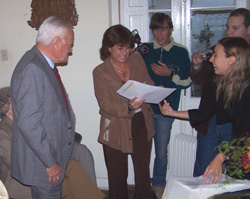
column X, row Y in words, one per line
column 79, row 180
column 43, row 119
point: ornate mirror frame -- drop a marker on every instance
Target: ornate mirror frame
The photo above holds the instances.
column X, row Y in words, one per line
column 41, row 9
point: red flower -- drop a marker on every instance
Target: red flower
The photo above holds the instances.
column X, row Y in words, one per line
column 245, row 161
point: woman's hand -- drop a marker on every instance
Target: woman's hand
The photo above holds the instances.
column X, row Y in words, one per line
column 135, row 104
column 166, row 109
column 214, row 169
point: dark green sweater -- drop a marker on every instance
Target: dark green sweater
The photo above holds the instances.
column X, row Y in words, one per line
column 175, row 57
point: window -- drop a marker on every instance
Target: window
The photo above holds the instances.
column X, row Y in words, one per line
column 193, row 21
column 208, row 25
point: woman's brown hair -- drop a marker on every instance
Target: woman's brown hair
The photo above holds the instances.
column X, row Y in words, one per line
column 116, row 34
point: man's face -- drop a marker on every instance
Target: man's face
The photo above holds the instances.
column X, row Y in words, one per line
column 162, row 35
column 64, row 47
column 236, row 28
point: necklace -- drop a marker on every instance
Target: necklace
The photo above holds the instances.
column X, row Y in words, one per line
column 123, row 73
column 118, row 69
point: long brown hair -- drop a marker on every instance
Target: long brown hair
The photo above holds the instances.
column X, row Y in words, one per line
column 237, row 78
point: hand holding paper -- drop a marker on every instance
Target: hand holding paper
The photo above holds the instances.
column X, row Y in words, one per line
column 151, row 94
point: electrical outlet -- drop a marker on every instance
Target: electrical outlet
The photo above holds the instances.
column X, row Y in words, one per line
column 4, row 55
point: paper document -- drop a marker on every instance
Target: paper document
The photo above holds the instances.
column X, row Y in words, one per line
column 151, row 94
column 193, row 187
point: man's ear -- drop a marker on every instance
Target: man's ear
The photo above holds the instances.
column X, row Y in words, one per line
column 56, row 42
column 171, row 30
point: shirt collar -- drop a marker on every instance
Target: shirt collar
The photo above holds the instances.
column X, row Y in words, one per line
column 167, row 47
column 51, row 64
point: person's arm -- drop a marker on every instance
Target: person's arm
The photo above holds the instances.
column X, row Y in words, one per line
column 109, row 101
column 161, row 69
column 179, row 75
column 134, row 104
column 196, row 62
column 214, row 169
column 139, row 65
column 195, row 116
column 54, row 173
column 29, row 99
column 167, row 110
column 200, row 68
column 206, row 111
column 197, row 76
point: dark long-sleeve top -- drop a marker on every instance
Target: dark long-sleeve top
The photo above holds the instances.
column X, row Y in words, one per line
column 238, row 114
column 204, row 77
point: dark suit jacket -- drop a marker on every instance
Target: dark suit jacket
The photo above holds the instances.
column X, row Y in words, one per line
column 43, row 132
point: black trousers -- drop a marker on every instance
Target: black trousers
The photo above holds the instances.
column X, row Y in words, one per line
column 117, row 164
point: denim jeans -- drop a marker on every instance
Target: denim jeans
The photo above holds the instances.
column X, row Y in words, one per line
column 162, row 127
column 207, row 145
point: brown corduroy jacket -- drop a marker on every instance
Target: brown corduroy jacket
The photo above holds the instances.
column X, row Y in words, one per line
column 115, row 125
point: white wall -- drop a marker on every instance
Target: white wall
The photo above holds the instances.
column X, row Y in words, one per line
column 16, row 36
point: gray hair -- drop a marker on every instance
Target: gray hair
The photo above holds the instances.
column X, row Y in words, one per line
column 4, row 101
column 52, row 27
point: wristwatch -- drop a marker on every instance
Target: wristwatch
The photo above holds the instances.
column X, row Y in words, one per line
column 171, row 74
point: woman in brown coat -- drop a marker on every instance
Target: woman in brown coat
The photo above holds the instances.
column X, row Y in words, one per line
column 126, row 126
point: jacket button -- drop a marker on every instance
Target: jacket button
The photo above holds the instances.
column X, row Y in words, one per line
column 69, row 127
column 69, row 143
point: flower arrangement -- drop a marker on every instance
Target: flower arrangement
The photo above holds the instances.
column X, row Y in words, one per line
column 237, row 152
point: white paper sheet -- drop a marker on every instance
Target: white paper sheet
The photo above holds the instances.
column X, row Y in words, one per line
column 193, row 188
column 151, row 94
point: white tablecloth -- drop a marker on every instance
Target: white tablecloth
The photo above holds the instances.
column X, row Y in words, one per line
column 193, row 188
